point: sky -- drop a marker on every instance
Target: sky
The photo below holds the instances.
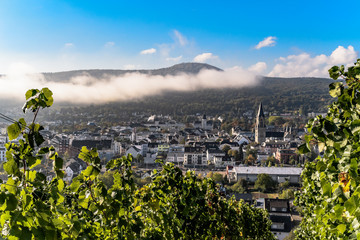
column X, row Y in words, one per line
column 271, row 38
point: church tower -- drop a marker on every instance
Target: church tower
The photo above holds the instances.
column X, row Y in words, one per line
column 260, row 128
column 203, row 122
column 133, row 135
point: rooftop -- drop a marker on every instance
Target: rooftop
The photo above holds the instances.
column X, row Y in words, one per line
column 268, row 170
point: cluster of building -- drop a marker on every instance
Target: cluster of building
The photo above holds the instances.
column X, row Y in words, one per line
column 198, row 145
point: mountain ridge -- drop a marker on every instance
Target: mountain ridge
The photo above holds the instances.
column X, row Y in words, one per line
column 277, row 94
column 188, row 68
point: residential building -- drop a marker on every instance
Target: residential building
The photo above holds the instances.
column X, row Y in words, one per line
column 280, row 216
column 214, row 156
column 285, row 155
column 278, row 174
column 176, row 155
column 194, row 156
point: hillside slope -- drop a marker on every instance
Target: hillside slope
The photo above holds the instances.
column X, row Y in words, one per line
column 188, row 68
column 277, row 94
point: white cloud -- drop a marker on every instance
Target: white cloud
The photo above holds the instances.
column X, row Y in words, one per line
column 343, row 55
column 267, row 42
column 129, row 67
column 87, row 89
column 20, row 77
column 258, row 68
column 174, row 59
column 69, row 45
column 148, row 51
column 304, row 65
column 180, row 38
column 109, row 44
column 204, row 57
column 179, row 45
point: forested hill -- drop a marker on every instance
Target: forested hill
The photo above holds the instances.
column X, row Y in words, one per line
column 278, row 95
column 188, row 68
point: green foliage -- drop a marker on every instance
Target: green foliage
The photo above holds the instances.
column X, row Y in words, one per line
column 331, row 186
column 241, row 186
column 276, row 120
column 270, row 161
column 107, row 178
column 226, row 148
column 139, row 158
column 36, row 99
column 236, row 154
column 217, row 177
column 264, row 183
column 141, row 182
column 172, row 205
column 287, row 194
column 284, row 185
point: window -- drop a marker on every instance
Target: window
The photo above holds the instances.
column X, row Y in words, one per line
column 199, row 160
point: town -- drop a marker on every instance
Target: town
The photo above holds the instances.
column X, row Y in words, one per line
column 234, row 159
column 179, row 120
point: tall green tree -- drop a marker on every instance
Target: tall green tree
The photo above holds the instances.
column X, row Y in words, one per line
column 217, row 177
column 330, row 196
column 241, row 186
column 264, row 183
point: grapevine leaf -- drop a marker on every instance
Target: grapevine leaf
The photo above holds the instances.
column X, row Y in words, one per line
column 13, row 130
column 303, row 149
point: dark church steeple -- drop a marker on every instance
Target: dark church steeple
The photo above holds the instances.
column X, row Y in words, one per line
column 260, row 127
column 261, row 111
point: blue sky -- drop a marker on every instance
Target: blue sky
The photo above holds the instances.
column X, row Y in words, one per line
column 300, row 38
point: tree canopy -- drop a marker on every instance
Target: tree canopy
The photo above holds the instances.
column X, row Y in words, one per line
column 264, row 183
column 217, row 177
column 276, row 120
column 241, row 186
column 330, row 196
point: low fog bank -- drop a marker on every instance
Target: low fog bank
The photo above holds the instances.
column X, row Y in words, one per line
column 109, row 88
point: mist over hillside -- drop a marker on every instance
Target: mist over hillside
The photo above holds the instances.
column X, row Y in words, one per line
column 186, row 88
column 277, row 94
column 187, row 68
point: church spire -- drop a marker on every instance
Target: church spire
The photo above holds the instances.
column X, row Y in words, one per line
column 260, row 128
column 260, row 112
